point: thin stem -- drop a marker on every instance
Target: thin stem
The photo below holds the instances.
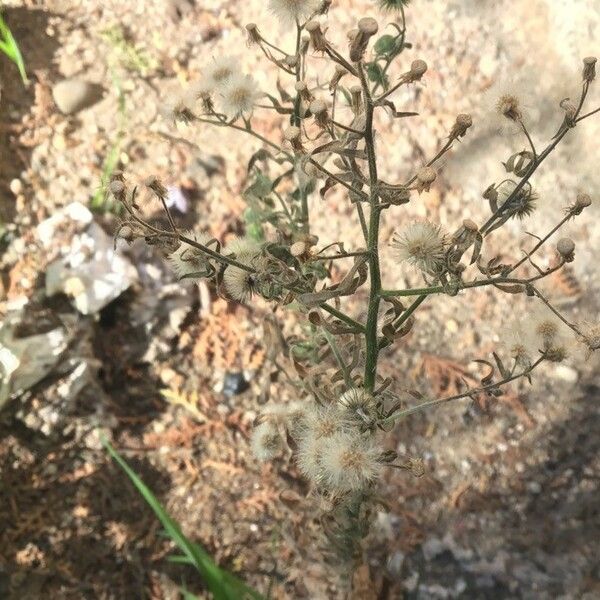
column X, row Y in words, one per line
column 343, row 317
column 363, row 222
column 592, row 112
column 346, row 128
column 250, row 131
column 439, row 155
column 531, row 144
column 539, row 244
column 372, row 346
column 342, row 255
column 438, row 289
column 556, row 312
column 468, row 393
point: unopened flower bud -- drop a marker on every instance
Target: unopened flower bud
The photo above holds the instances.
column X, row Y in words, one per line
column 254, row 36
column 319, row 110
column 566, row 248
column 425, row 177
column 117, row 189
column 589, row 68
column 356, row 99
column 292, row 135
column 156, row 186
column 317, row 36
column 126, row 233
column 583, row 200
column 303, row 91
column 570, row 111
column 304, row 44
column 459, row 129
column 298, row 249
column 367, row 27
column 418, row 68
column 290, row 61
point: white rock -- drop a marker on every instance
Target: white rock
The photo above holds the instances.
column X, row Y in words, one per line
column 89, row 270
column 26, row 360
column 73, row 95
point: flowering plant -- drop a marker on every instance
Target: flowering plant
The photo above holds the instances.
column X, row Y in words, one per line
column 337, row 424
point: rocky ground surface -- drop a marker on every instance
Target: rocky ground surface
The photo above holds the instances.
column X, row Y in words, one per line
column 174, row 375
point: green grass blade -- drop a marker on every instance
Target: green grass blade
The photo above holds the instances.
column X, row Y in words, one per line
column 223, row 585
column 9, row 46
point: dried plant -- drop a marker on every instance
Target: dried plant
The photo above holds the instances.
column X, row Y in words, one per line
column 337, row 424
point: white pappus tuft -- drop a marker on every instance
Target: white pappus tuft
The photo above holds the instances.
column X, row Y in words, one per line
column 350, row 461
column 239, row 94
column 507, row 106
column 188, row 261
column 266, row 441
column 545, row 332
column 240, row 283
column 290, row 11
column 218, row 73
column 421, row 244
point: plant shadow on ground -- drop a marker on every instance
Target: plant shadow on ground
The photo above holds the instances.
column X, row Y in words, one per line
column 543, row 542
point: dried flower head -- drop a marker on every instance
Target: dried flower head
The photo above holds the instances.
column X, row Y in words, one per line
column 359, row 404
column 421, row 244
column 518, row 345
column 590, row 337
column 519, row 204
column 545, row 332
column 350, row 462
column 425, row 178
column 589, row 68
column 180, row 110
column 462, row 123
column 566, row 248
column 239, row 95
column 266, row 442
column 188, row 261
column 508, row 107
column 292, row 11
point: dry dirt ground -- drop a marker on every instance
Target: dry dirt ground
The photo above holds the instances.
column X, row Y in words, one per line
column 508, row 505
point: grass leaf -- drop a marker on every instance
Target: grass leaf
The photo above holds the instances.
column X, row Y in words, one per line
column 223, row 585
column 9, row 46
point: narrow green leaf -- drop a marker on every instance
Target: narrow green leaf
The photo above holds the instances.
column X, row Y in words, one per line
column 9, row 46
column 223, row 585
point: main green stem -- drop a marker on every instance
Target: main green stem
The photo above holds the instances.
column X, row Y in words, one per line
column 372, row 348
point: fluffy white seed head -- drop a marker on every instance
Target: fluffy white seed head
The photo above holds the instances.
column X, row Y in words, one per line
column 309, row 457
column 324, row 422
column 350, row 461
column 545, row 332
column 217, row 73
column 266, row 442
column 518, row 345
column 240, row 283
column 290, row 11
column 358, row 404
column 188, row 260
column 421, row 244
column 239, row 95
column 507, row 106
